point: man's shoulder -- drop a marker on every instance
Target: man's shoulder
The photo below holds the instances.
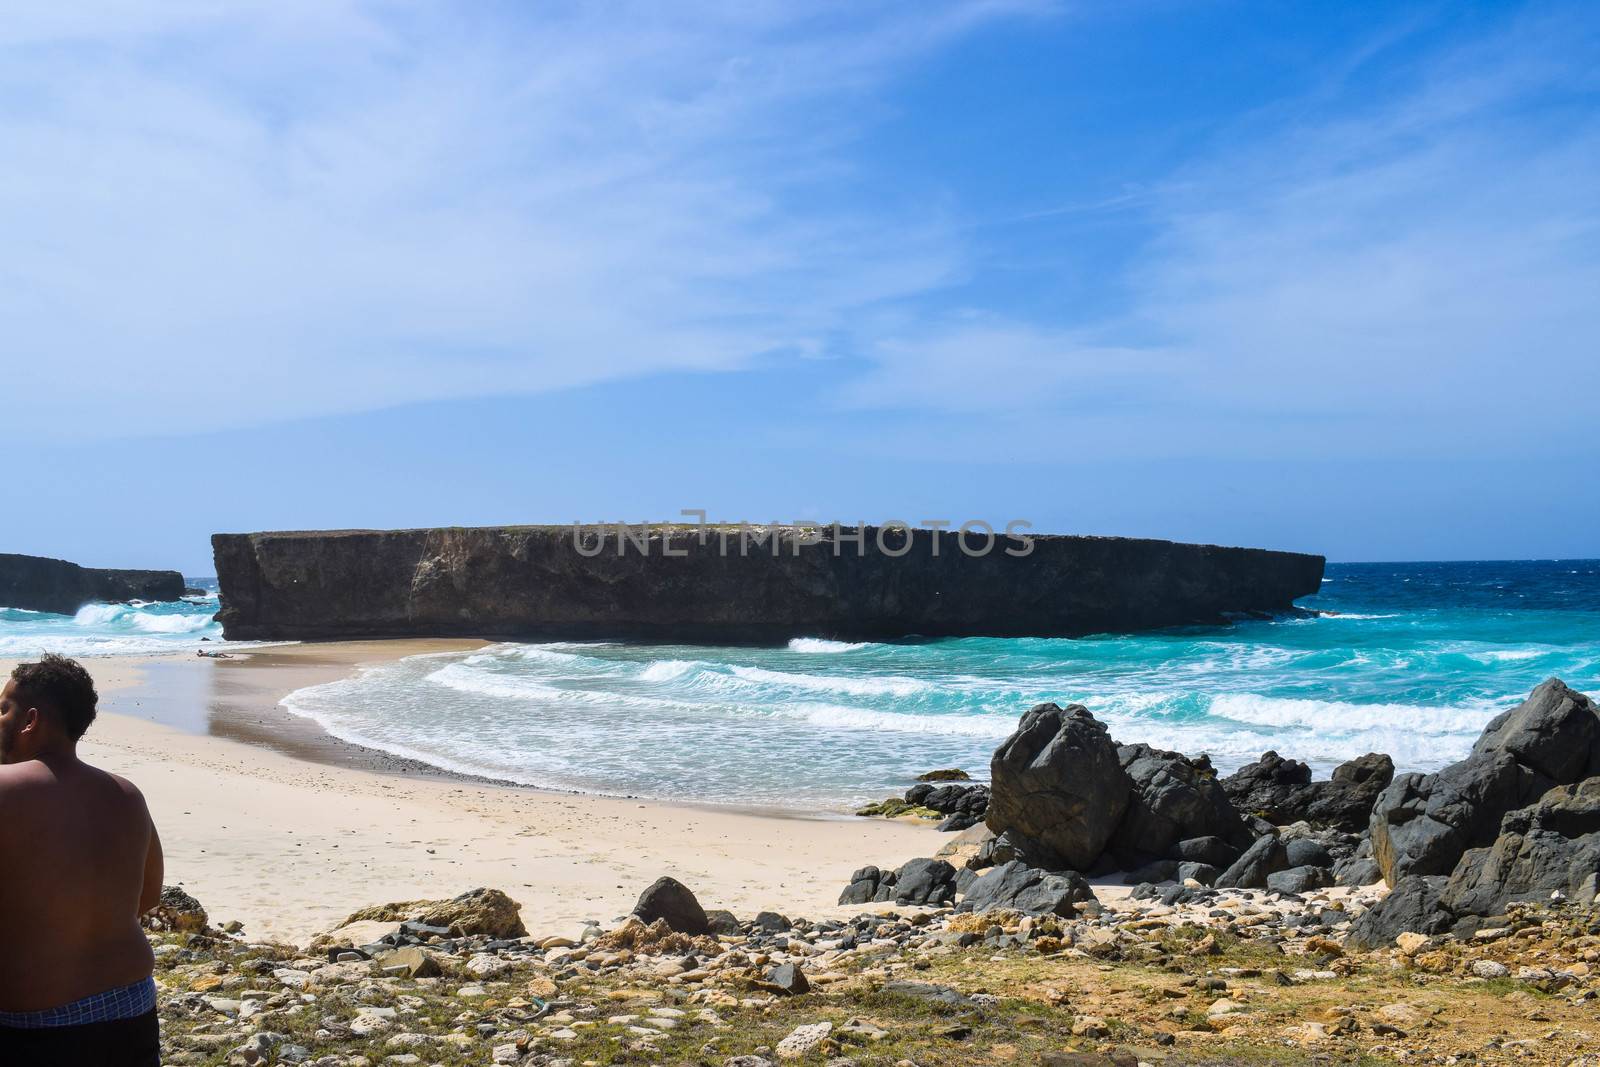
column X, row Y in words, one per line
column 125, row 787
column 14, row 778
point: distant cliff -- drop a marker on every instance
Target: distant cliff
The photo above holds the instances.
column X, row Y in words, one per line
column 702, row 584
column 54, row 585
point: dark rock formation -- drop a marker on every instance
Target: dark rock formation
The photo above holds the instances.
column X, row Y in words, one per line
column 924, row 881
column 1421, row 824
column 1345, row 801
column 1301, row 879
column 724, row 922
column 1250, row 871
column 1212, row 850
column 863, row 887
column 1028, row 890
column 1058, row 785
column 34, row 583
column 1282, row 792
column 1550, row 846
column 671, row 900
column 545, row 582
column 1412, row 906
column 964, row 802
column 1173, row 798
column 1270, row 788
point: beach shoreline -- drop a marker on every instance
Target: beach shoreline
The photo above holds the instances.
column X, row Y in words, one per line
column 252, row 800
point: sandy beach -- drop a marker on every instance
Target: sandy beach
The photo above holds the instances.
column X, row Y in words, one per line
column 268, row 820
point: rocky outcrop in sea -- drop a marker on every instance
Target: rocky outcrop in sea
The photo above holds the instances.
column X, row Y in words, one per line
column 711, row 584
column 35, row 583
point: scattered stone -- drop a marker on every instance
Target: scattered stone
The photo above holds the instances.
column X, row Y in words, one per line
column 486, row 912
column 411, row 961
column 789, row 979
column 802, row 1039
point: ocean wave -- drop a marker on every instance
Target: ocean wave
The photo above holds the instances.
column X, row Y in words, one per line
column 821, row 645
column 465, row 679
column 884, row 685
column 128, row 617
column 837, row 717
column 669, row 670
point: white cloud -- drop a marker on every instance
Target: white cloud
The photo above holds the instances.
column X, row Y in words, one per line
column 250, row 212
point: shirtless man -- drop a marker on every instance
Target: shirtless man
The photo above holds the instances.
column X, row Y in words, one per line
column 79, row 863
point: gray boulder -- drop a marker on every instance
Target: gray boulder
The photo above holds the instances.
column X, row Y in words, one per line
column 864, row 885
column 925, row 881
column 1555, row 732
column 1057, row 783
column 1306, row 852
column 1551, row 846
column 1173, row 797
column 1422, row 824
column 1272, row 787
column 1267, row 856
column 670, row 899
column 723, row 922
column 1345, row 801
column 1204, row 873
column 1028, row 890
column 1360, row 868
column 1212, row 850
column 1299, row 879
column 1413, row 905
column 1281, row 791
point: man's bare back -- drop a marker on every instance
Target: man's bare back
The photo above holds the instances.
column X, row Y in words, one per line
column 76, row 846
column 79, row 863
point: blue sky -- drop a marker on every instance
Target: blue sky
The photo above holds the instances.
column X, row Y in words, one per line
column 1310, row 276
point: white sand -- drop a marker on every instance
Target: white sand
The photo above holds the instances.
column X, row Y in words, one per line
column 290, row 846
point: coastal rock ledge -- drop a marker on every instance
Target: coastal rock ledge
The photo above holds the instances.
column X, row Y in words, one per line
column 36, row 583
column 708, row 584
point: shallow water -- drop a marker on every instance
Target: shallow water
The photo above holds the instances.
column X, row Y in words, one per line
column 1419, row 657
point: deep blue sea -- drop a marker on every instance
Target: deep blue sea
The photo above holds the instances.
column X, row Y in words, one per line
column 1412, row 659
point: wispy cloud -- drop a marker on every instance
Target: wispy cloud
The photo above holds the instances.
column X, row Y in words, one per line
column 252, row 211
column 1418, row 268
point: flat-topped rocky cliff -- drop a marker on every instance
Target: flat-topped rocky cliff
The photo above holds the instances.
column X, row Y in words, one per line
column 722, row 585
column 35, row 583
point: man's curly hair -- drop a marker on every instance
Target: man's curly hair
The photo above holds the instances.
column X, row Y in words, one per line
column 60, row 686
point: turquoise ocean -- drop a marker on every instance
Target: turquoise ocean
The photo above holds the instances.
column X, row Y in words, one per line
column 1406, row 658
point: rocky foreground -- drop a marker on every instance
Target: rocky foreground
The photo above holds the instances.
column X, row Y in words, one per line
column 1214, row 977
column 1101, row 904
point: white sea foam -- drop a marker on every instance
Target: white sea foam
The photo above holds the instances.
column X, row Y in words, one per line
column 1507, row 655
column 1336, row 717
column 821, row 645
